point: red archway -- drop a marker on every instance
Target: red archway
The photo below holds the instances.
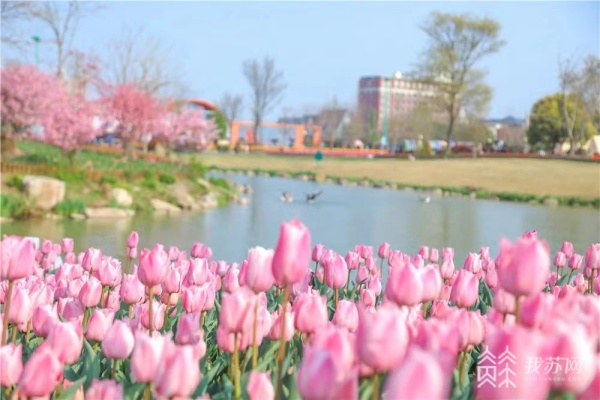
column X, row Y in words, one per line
column 202, row 103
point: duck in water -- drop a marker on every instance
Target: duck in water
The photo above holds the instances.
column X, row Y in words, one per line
column 310, row 198
column 287, row 197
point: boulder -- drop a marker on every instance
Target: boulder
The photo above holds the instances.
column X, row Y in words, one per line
column 243, row 201
column 107, row 212
column 44, row 192
column 209, row 201
column 121, row 197
column 182, row 197
column 77, row 216
column 4, row 220
column 164, row 207
column 473, row 195
column 437, row 192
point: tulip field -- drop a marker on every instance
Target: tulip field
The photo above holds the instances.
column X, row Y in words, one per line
column 299, row 322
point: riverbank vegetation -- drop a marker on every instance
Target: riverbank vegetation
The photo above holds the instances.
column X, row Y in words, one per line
column 91, row 177
column 570, row 183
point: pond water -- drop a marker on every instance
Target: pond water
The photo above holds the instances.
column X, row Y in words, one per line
column 340, row 218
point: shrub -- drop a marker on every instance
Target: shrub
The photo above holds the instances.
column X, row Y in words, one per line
column 71, row 176
column 109, row 180
column 220, row 182
column 70, row 206
column 12, row 206
column 166, row 178
column 196, row 169
column 15, row 181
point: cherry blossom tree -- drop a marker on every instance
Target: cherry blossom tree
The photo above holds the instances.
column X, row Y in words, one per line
column 69, row 123
column 138, row 114
column 26, row 93
column 190, row 128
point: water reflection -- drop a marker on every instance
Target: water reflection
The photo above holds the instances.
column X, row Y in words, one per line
column 340, row 218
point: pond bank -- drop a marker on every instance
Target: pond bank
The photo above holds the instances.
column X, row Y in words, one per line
column 431, row 190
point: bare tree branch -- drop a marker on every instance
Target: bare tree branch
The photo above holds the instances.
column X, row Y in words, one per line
column 12, row 12
column 231, row 106
column 267, row 86
column 141, row 61
column 62, row 20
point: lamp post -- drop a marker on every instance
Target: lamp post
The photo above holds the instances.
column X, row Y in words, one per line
column 36, row 39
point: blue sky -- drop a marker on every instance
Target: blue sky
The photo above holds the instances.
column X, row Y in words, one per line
column 323, row 48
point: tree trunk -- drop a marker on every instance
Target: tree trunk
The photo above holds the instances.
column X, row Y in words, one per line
column 449, row 135
column 255, row 128
column 8, row 143
column 128, row 149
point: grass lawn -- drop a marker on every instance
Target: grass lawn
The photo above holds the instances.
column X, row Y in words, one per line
column 526, row 176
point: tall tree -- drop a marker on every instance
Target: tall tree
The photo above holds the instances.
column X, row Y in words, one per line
column 61, row 19
column 547, row 127
column 267, row 86
column 329, row 119
column 457, row 42
column 581, row 86
column 142, row 61
column 188, row 127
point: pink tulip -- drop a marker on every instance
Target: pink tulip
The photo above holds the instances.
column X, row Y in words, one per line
column 110, row 273
column 68, row 272
column 153, row 266
column 158, row 311
column 420, row 376
column 132, row 252
column 70, row 309
column 336, row 270
column 432, row 283
column 352, row 260
column 434, row 255
column 92, row 260
column 199, row 251
column 361, row 275
column 118, row 342
column 592, row 256
column 66, row 341
column 172, row 282
column 259, row 386
column 530, row 235
column 504, row 302
column 384, row 250
column 132, row 290
column 21, row 307
column 236, row 311
column 104, row 390
column 178, row 373
column 340, row 344
column 188, row 329
column 465, row 290
column 560, row 260
column 381, row 337
column 46, row 246
column 275, row 331
column 42, row 372
column 447, row 268
column 173, row 253
column 368, row 298
column 133, row 240
column 17, row 258
column 99, row 324
column 523, row 267
column 291, row 259
column 318, row 252
column 67, row 245
column 472, row 263
column 310, row 312
column 575, row 262
column 552, row 279
column 89, row 295
column 146, row 356
column 12, row 364
column 231, row 281
column 424, row 252
column 567, row 249
column 374, row 284
column 346, row 315
column 259, row 275
column 404, row 286
column 198, row 273
column 319, row 377
column 43, row 319
column 491, row 278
